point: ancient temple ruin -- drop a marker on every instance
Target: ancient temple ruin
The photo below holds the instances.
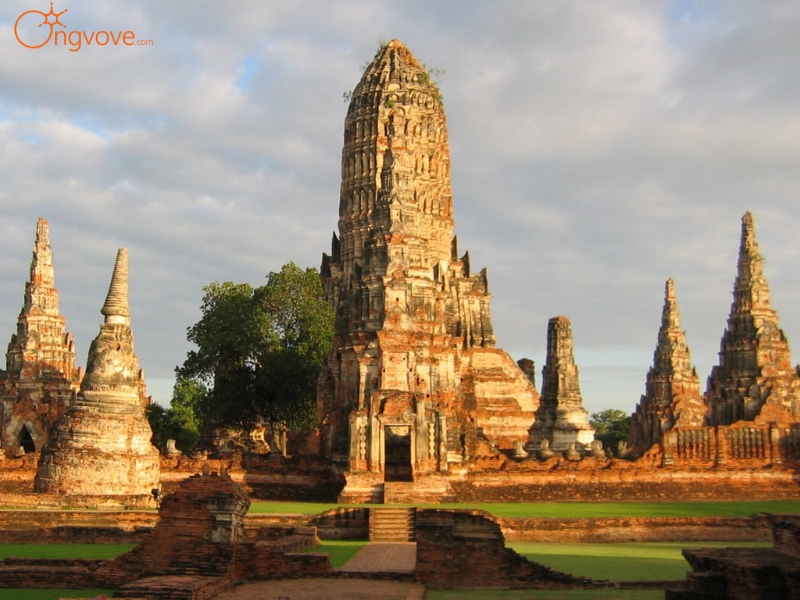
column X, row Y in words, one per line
column 414, row 384
column 561, row 420
column 40, row 378
column 755, row 379
column 672, row 395
column 101, row 445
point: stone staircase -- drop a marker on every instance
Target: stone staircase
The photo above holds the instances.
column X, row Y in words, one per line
column 392, row 525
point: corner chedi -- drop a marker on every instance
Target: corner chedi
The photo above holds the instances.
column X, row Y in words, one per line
column 672, row 393
column 413, row 385
column 40, row 377
column 101, row 446
column 561, row 421
column 754, row 380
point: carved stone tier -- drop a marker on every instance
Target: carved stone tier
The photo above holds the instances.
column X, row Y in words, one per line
column 755, row 379
column 413, row 383
column 101, row 446
column 561, row 418
column 40, row 377
column 672, row 394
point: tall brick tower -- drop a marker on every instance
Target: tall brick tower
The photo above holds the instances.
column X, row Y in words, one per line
column 672, row 395
column 406, row 387
column 755, row 379
column 40, row 377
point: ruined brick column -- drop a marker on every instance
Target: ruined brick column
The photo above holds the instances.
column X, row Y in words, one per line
column 413, row 378
column 101, row 446
column 561, row 418
column 755, row 379
column 40, row 377
column 672, row 393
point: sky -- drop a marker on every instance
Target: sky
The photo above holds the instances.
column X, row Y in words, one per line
column 597, row 149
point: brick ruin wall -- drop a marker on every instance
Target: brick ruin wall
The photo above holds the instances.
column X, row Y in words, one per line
column 493, row 480
column 465, row 549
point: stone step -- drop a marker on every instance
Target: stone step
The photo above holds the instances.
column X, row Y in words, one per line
column 392, row 524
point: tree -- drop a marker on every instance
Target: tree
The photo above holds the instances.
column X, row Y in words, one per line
column 182, row 421
column 260, row 351
column 611, row 427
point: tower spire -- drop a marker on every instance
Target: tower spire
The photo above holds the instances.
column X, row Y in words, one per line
column 116, row 308
column 672, row 392
column 754, row 360
column 101, row 445
column 40, row 376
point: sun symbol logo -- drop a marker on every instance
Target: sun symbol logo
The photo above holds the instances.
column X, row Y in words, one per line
column 25, row 22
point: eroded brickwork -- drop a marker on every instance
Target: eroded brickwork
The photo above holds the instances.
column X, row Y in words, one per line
column 755, row 379
column 561, row 419
column 672, row 393
column 413, row 384
column 101, row 445
column 40, row 378
column 746, row 573
column 466, row 549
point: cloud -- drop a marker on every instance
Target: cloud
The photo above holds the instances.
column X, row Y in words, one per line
column 596, row 151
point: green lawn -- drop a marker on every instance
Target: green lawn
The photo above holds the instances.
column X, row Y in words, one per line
column 641, row 561
column 340, row 551
column 63, row 550
column 574, row 509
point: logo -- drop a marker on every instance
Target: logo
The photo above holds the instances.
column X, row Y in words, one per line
column 35, row 29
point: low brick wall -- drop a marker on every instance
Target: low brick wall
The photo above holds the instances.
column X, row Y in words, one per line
column 637, row 529
column 258, row 562
column 592, row 480
column 466, row 549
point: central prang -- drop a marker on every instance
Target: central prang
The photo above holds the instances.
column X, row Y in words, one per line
column 413, row 385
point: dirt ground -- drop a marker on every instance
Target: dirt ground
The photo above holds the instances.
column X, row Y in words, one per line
column 326, row 589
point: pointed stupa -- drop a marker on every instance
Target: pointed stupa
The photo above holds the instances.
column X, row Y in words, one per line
column 414, row 343
column 101, row 446
column 672, row 395
column 561, row 418
column 40, row 377
column 116, row 308
column 754, row 367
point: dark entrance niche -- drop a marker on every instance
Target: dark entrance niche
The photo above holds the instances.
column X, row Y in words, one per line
column 26, row 441
column 398, row 454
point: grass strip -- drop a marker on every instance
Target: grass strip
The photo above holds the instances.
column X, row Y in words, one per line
column 641, row 561
column 102, row 551
column 340, row 551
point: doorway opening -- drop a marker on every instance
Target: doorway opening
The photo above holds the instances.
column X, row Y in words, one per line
column 26, row 441
column 398, row 454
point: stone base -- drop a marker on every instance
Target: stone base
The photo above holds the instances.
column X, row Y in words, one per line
column 362, row 488
column 176, row 586
column 370, row 488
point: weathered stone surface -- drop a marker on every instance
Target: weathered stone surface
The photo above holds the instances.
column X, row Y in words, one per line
column 746, row 573
column 413, row 384
column 754, row 380
column 101, row 445
column 561, row 418
column 672, row 394
column 40, row 378
column 466, row 549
